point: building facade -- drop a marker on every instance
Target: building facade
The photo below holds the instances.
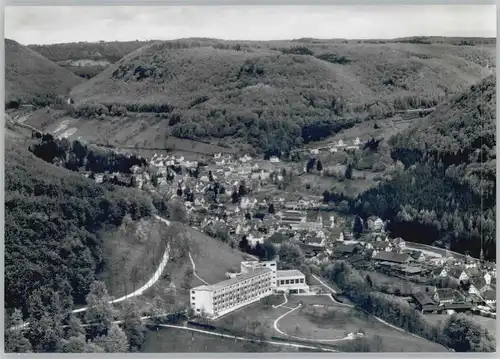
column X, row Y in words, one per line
column 291, row 281
column 229, row 295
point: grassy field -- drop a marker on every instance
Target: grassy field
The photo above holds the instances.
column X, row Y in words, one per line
column 171, row 340
column 132, row 254
column 136, row 132
column 213, row 258
column 318, row 319
column 335, row 321
column 245, row 320
column 381, row 280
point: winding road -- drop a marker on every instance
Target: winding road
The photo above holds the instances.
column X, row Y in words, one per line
column 275, row 324
column 156, row 276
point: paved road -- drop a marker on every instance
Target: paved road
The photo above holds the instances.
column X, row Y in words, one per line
column 275, row 324
column 156, row 276
column 293, row 345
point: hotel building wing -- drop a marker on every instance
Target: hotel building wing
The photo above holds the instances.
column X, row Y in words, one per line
column 224, row 297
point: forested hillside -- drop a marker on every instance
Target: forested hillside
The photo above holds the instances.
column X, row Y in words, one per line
column 87, row 59
column 32, row 79
column 53, row 224
column 447, row 189
column 277, row 95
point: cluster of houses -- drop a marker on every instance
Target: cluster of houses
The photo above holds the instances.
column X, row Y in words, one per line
column 213, row 184
column 339, row 145
column 252, row 216
column 470, row 285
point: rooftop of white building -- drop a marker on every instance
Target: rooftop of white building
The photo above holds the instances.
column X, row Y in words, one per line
column 228, row 282
column 289, row 273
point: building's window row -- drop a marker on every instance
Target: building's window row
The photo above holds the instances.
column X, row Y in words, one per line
column 291, row 281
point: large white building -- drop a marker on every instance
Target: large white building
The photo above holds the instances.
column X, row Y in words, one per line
column 255, row 281
column 224, row 297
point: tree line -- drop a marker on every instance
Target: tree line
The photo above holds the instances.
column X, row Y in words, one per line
column 54, row 221
column 457, row 332
column 75, row 155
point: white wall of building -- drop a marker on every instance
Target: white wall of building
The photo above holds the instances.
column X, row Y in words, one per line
column 219, row 299
column 290, row 281
column 201, row 300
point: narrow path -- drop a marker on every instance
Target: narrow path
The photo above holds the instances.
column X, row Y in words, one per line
column 275, row 324
column 156, row 276
column 194, row 270
column 246, row 339
column 279, row 305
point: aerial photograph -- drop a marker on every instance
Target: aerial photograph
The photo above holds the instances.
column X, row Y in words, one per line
column 250, row 179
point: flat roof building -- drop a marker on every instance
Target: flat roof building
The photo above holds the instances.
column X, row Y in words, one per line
column 224, row 297
column 291, row 281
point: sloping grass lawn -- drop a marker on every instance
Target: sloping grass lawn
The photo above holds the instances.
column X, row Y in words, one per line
column 171, row 340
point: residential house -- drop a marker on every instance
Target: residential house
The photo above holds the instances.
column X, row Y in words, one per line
column 458, row 273
column 356, row 259
column 135, row 169
column 245, row 159
column 424, row 303
column 418, row 256
column 345, row 249
column 255, row 237
column 440, row 272
column 381, row 247
column 356, row 141
column 99, row 178
column 487, row 277
column 333, row 149
column 478, row 285
column 470, row 262
column 392, row 257
column 399, row 243
column 217, row 155
column 375, row 223
column 444, row 296
column 436, row 261
column 490, row 297
column 341, row 237
column 340, row 144
column 274, row 159
column 329, row 222
column 314, row 151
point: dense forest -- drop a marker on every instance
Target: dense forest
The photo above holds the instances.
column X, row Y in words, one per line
column 53, row 221
column 444, row 192
column 76, row 155
column 275, row 95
